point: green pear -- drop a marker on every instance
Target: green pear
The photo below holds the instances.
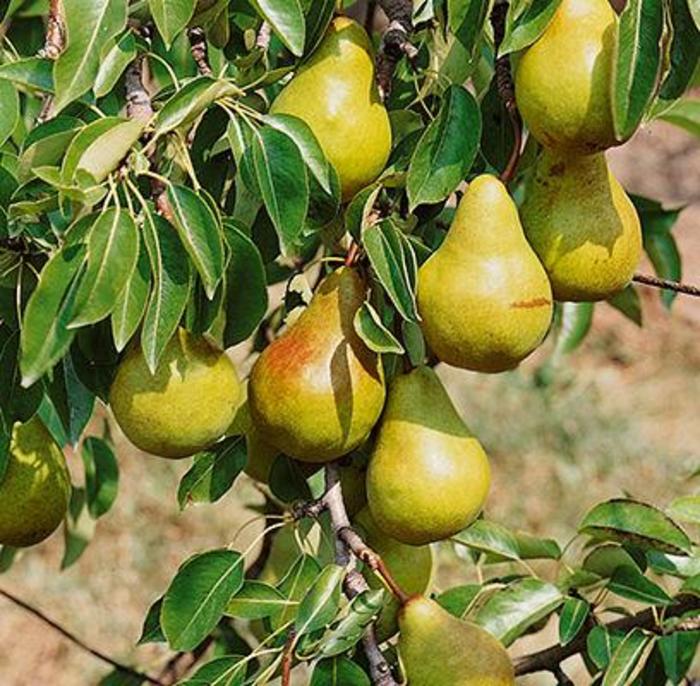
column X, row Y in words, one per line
column 428, row 476
column 437, row 649
column 335, row 93
column 412, row 567
column 563, row 82
column 483, row 296
column 184, row 407
column 583, row 226
column 317, row 391
column 35, row 489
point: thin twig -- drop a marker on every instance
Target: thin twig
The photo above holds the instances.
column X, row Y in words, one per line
column 264, row 36
column 547, row 660
column 667, row 285
column 53, row 46
column 200, row 50
column 396, row 42
column 506, row 88
column 288, row 658
column 77, row 641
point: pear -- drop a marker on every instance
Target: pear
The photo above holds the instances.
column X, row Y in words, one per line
column 317, row 391
column 185, row 406
column 428, row 477
column 437, row 649
column 412, row 567
column 483, row 296
column 35, row 489
column 583, row 226
column 563, row 82
column 335, row 93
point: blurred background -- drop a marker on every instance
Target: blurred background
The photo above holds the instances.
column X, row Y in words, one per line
column 621, row 417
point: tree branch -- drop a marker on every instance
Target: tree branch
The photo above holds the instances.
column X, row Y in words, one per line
column 77, row 641
column 200, row 50
column 667, row 285
column 506, row 88
column 396, row 42
column 549, row 659
column 53, row 46
column 288, row 658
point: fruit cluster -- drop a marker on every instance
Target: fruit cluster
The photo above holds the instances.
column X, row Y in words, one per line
column 485, row 299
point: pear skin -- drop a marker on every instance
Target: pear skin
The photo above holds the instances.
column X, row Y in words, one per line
column 437, row 649
column 563, row 82
column 483, row 296
column 317, row 391
column 35, row 489
column 428, row 477
column 184, row 407
column 582, row 224
column 412, row 567
column 335, row 93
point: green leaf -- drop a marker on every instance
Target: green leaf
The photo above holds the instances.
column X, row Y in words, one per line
column 488, row 537
column 152, row 631
column 466, row 21
column 674, row 565
column 629, row 521
column 685, row 113
column 528, row 26
column 78, row 529
column 89, row 27
column 120, row 54
column 629, row 658
column 287, row 20
column 46, row 144
column 534, row 548
column 9, row 110
column 573, row 323
column 369, row 327
column 685, row 51
column 459, row 599
column 34, row 73
column 246, row 286
column 45, row 334
column 16, row 403
column 199, row 595
column 628, row 582
column 294, row 586
column 130, row 309
column 171, row 17
column 229, row 670
column 284, row 187
column 629, row 303
column 213, row 472
column 101, row 476
column 446, row 151
column 172, row 282
column 338, row 671
column 509, row 612
column 636, row 64
column 113, row 250
column 601, row 644
column 256, row 600
column 686, row 508
column 394, row 261
column 201, row 234
column 320, row 604
column 573, row 617
column 678, row 652
column 345, row 632
column 190, row 101
column 691, row 586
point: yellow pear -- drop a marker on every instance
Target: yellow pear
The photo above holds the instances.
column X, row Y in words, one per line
column 483, row 296
column 35, row 489
column 563, row 82
column 184, row 407
column 428, row 476
column 437, row 649
column 412, row 567
column 317, row 391
column 583, row 226
column 335, row 93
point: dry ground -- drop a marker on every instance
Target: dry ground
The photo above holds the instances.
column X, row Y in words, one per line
column 622, row 417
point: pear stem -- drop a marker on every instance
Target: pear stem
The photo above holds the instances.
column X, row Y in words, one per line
column 506, row 88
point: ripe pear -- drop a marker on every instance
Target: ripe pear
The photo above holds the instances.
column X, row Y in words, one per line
column 428, row 476
column 335, row 93
column 583, row 226
column 185, row 406
column 437, row 649
column 483, row 296
column 35, row 489
column 563, row 82
column 317, row 391
column 412, row 567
